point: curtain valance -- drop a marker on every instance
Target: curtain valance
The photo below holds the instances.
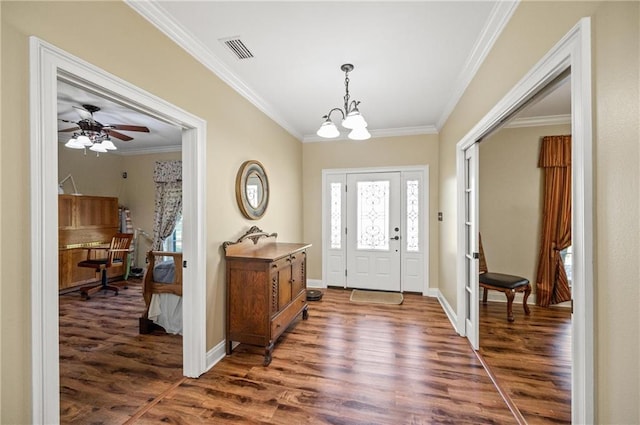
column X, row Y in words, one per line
column 555, row 151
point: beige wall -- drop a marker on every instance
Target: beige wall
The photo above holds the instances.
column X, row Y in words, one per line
column 139, row 195
column 511, row 198
column 93, row 175
column 393, row 151
column 150, row 61
column 533, row 30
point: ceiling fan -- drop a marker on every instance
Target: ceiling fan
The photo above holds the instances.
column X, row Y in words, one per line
column 88, row 126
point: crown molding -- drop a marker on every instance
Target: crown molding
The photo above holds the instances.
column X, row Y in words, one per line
column 539, row 121
column 498, row 19
column 389, row 132
column 147, row 151
column 185, row 39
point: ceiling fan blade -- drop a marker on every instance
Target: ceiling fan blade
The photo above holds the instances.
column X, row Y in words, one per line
column 84, row 114
column 119, row 135
column 129, row 127
column 70, row 129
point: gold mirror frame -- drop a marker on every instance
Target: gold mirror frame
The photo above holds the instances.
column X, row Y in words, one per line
column 252, row 170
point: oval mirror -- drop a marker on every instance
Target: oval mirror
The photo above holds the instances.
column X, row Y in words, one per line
column 252, row 189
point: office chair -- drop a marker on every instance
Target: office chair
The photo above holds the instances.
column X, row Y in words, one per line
column 117, row 255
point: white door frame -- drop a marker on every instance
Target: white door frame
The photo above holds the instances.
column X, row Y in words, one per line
column 47, row 64
column 424, row 231
column 572, row 51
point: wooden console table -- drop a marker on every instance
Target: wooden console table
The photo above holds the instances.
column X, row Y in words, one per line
column 266, row 289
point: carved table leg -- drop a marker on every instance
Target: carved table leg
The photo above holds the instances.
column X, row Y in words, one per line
column 267, row 354
column 305, row 312
column 510, row 296
column 527, row 292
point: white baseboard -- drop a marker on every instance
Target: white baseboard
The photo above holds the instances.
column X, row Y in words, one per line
column 432, row 292
column 450, row 312
column 316, row 283
column 216, row 354
column 497, row 296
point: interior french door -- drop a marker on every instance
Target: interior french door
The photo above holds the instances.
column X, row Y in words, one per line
column 373, row 236
column 471, row 222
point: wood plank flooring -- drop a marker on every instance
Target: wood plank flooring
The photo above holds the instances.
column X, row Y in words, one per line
column 348, row 364
column 531, row 359
column 107, row 370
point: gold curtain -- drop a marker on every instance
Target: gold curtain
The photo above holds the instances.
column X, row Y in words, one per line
column 555, row 159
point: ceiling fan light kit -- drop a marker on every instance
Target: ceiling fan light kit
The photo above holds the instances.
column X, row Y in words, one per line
column 94, row 135
column 352, row 119
column 97, row 147
column 73, row 143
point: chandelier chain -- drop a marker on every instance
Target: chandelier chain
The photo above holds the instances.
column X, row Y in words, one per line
column 346, row 95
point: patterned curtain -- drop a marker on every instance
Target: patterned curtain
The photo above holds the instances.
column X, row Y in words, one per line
column 168, row 178
column 555, row 159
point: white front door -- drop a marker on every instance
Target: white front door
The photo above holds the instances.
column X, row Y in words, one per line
column 373, row 231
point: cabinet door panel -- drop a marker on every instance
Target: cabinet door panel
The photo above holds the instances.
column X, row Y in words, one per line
column 248, row 303
column 298, row 271
column 284, row 285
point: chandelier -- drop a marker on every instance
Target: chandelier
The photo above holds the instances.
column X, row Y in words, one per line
column 351, row 117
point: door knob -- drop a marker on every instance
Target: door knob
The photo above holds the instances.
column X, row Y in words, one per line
column 397, row 238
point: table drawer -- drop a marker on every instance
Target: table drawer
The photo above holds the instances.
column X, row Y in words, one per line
column 283, row 319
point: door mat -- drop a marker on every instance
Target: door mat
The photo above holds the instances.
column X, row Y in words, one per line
column 375, row 297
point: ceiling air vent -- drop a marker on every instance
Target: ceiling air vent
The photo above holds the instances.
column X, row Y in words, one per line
column 237, row 47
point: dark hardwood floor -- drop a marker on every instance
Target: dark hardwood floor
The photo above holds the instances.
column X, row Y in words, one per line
column 531, row 359
column 107, row 370
column 348, row 364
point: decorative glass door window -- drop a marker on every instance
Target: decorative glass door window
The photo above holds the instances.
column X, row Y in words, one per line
column 373, row 215
column 336, row 215
column 413, row 215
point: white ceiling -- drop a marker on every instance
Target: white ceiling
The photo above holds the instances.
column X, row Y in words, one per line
column 162, row 137
column 413, row 60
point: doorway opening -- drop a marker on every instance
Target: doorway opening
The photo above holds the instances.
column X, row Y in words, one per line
column 48, row 65
column 571, row 54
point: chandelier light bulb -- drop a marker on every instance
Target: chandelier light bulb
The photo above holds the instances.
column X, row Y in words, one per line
column 354, row 120
column 359, row 134
column 97, row 147
column 84, row 140
column 108, row 145
column 73, row 143
column 328, row 130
